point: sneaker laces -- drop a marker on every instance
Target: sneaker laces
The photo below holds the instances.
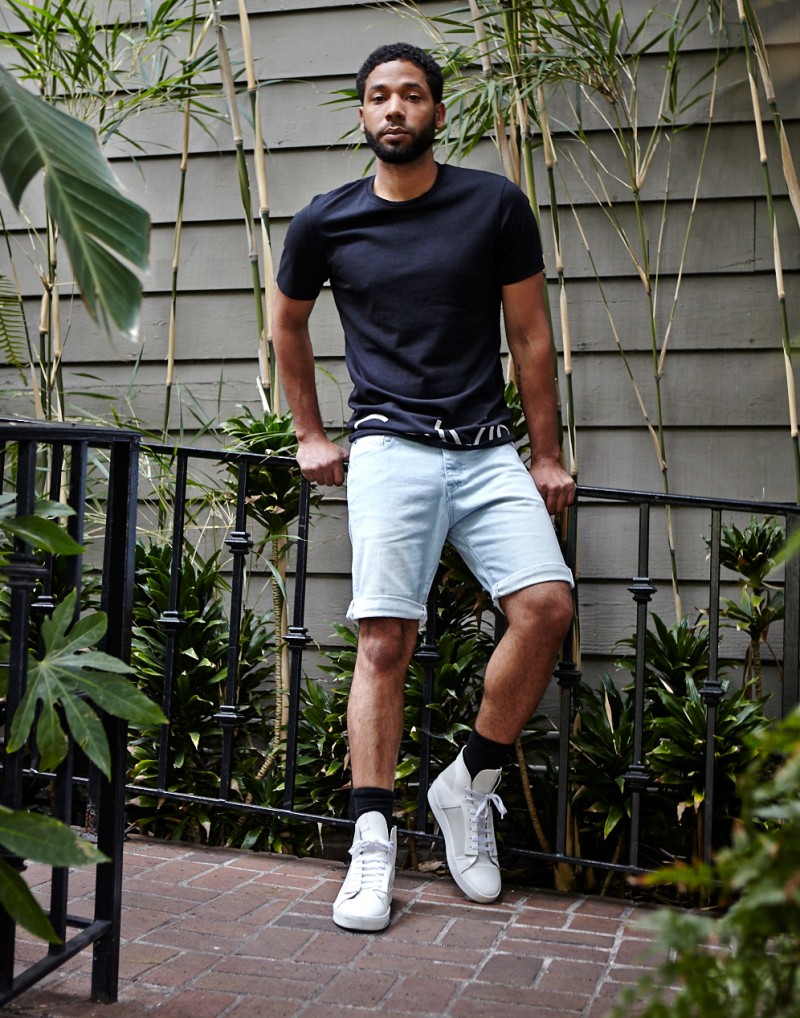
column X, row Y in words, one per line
column 481, row 827
column 373, row 866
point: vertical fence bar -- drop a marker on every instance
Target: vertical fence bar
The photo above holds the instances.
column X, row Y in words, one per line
column 118, row 576
column 78, row 466
column 428, row 657
column 228, row 715
column 171, row 619
column 59, row 882
column 21, row 573
column 568, row 676
column 712, row 691
column 73, row 580
column 297, row 638
column 636, row 777
column 44, row 603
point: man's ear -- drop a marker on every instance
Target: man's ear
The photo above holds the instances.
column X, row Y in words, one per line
column 441, row 115
column 361, row 119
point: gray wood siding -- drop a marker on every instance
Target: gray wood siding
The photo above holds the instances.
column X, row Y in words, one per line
column 724, row 389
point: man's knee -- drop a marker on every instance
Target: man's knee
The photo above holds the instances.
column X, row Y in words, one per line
column 386, row 644
column 546, row 608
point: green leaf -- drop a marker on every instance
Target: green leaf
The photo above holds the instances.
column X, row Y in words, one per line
column 13, row 334
column 44, row 839
column 17, row 900
column 117, row 695
column 66, row 672
column 104, row 232
column 88, row 732
column 44, row 534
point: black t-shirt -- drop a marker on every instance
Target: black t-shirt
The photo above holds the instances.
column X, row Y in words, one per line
column 417, row 285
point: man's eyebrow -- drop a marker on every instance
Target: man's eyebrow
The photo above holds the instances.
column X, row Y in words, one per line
column 380, row 85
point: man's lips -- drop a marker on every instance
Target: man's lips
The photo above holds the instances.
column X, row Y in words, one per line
column 395, row 132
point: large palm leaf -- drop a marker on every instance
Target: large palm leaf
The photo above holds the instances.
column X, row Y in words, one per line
column 105, row 233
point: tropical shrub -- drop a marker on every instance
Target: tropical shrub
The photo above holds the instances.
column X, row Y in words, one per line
column 199, row 673
column 68, row 679
column 754, row 553
column 674, row 738
column 744, row 962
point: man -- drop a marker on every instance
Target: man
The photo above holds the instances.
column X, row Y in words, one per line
column 421, row 258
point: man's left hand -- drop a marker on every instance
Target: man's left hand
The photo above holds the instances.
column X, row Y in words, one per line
column 555, row 485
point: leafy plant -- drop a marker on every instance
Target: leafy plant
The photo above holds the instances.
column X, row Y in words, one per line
column 198, row 690
column 673, row 653
column 60, row 682
column 273, row 500
column 67, row 675
column 746, row 961
column 273, row 493
column 104, row 231
column 603, row 751
column 678, row 758
column 46, row 840
column 754, row 553
column 674, row 744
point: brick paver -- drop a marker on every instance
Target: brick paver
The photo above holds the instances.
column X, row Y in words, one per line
column 210, row 933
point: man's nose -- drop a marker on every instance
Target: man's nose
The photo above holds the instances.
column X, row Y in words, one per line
column 394, row 107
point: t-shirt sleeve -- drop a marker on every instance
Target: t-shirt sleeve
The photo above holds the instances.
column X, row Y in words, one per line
column 521, row 245
column 303, row 267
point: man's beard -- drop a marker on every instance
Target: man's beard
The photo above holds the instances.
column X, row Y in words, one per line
column 399, row 154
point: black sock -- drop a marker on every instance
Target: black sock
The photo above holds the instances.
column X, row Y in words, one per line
column 482, row 754
column 373, row 800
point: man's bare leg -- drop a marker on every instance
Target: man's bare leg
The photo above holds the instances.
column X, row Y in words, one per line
column 522, row 664
column 375, row 705
column 375, row 728
column 516, row 677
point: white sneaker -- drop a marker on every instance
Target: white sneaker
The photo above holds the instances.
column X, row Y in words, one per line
column 365, row 900
column 463, row 809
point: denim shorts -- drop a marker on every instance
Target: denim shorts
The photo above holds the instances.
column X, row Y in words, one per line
column 406, row 499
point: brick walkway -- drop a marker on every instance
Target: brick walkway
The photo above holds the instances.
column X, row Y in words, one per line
column 210, row 932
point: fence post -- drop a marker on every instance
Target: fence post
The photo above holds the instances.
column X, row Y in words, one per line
column 119, row 562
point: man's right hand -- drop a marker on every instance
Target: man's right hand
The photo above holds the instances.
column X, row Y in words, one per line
column 321, row 460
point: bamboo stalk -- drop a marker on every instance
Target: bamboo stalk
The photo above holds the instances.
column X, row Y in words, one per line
column 176, row 243
column 510, row 167
column 267, row 380
column 753, row 40
column 760, row 48
column 229, row 90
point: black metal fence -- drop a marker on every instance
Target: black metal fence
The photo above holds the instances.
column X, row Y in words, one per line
column 59, row 458
column 53, row 462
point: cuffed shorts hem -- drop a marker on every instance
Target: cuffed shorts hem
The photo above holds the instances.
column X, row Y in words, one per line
column 386, row 608
column 551, row 572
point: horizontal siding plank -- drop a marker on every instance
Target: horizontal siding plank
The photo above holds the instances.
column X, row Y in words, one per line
column 740, row 462
column 734, row 312
column 700, row 391
column 214, row 256
column 294, row 176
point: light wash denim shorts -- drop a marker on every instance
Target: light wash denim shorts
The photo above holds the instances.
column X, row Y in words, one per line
column 406, row 499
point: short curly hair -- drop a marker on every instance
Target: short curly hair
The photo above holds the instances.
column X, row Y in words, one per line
column 402, row 51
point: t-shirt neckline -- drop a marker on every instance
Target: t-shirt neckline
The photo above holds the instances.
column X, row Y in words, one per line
column 387, row 203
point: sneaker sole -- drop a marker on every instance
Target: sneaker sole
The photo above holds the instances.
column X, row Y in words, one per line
column 361, row 924
column 441, row 820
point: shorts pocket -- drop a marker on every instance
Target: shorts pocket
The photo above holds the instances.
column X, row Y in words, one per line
column 369, row 445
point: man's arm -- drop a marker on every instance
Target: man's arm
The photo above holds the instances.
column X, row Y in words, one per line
column 528, row 335
column 320, row 459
